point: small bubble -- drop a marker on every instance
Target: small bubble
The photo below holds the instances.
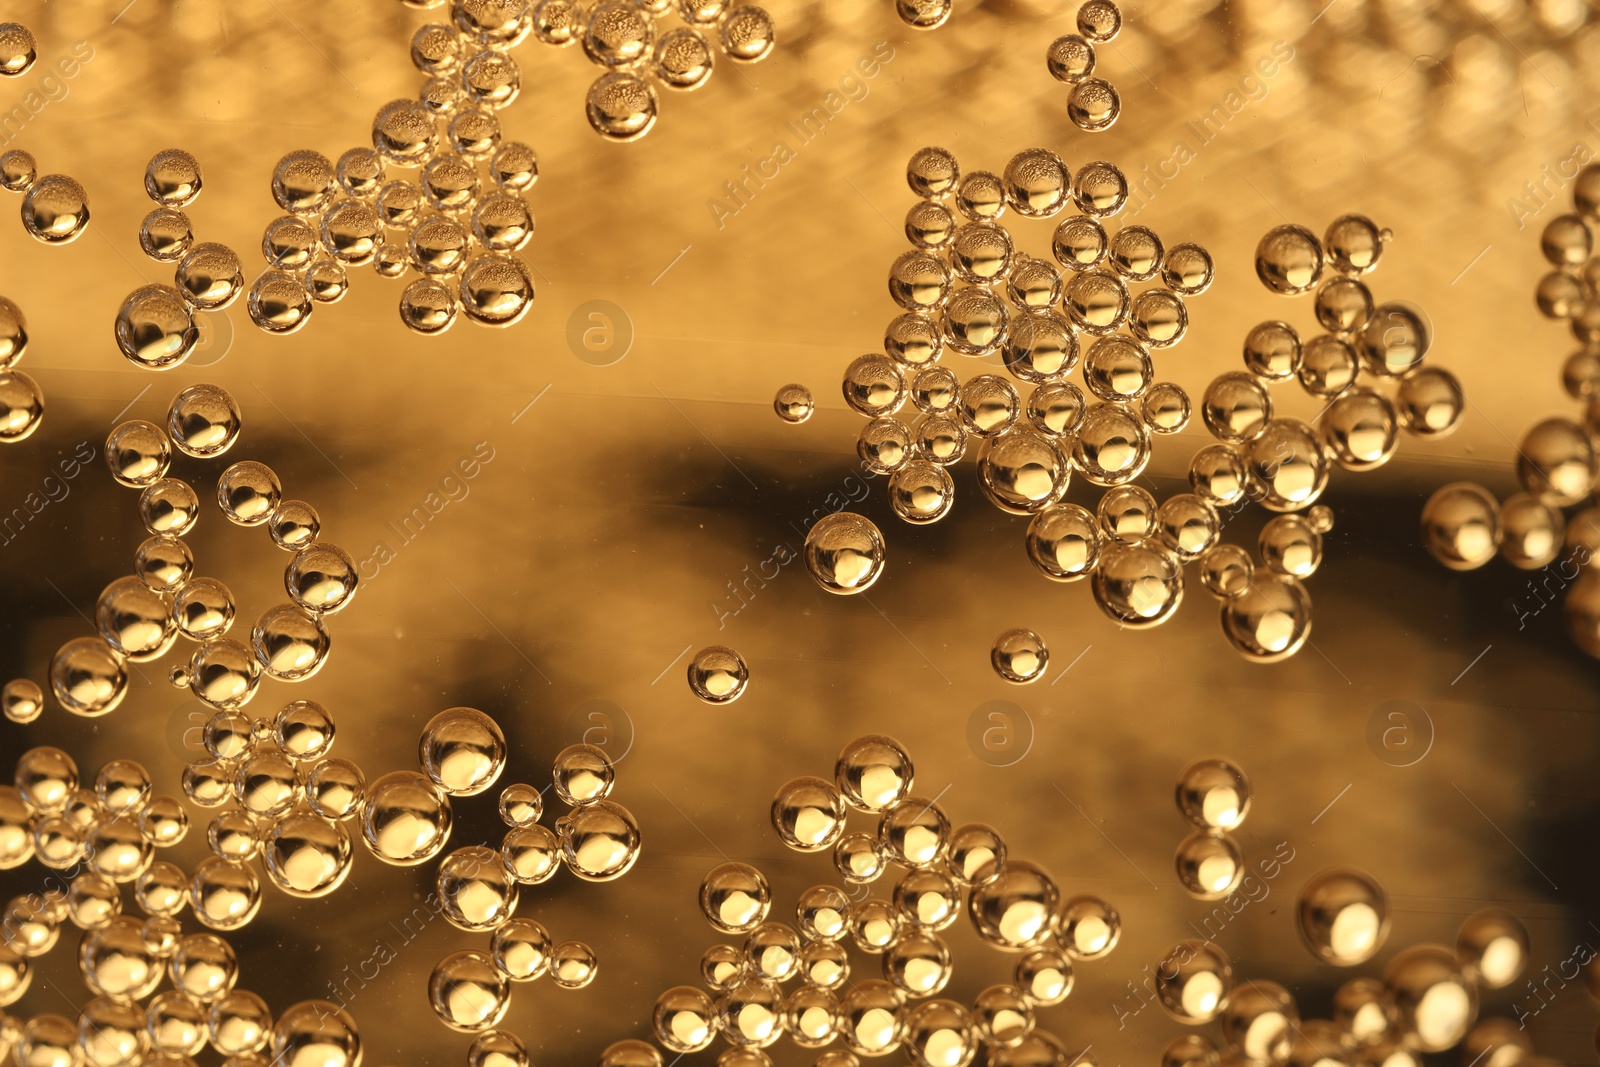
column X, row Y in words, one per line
column 1165, row 407
column 515, row 167
column 1063, row 542
column 21, row 406
column 1016, row 910
column 1566, row 241
column 496, row 290
column 1210, row 865
column 1127, row 513
column 975, row 321
column 1328, row 366
column 921, row 492
column 1290, row 545
column 166, row 234
column 1492, row 948
column 138, row 453
column 88, row 676
column 247, row 492
column 980, row 195
column 1289, row 260
column 22, row 700
column 1056, row 408
column 278, row 302
column 428, row 306
column 845, row 553
column 1353, row 243
column 351, row 229
column 735, row 898
column 1100, row 189
column 747, row 34
column 55, row 209
column 1137, row 585
column 1342, row 916
column 436, row 48
column 327, row 281
column 466, row 992
column 474, row 132
column 873, row 385
column 169, row 506
column 1259, row 1019
column 1112, row 445
column 682, row 59
column 1226, row 570
column 1360, row 430
column 1099, row 20
column 360, row 173
column 924, row 14
column 1395, row 339
column 1097, row 300
column 1019, row 656
column 718, row 674
column 1556, row 462
column 1531, row 532
column 1270, row 621
column 1070, row 58
column 304, row 182
column 1434, row 1002
column 17, row 170
column 621, row 106
column 1037, row 183
column 793, row 403
column 1286, row 465
column 403, row 131
column 932, row 172
column 17, row 50
column 210, row 276
column 1188, row 269
column 1094, row 105
column 172, row 178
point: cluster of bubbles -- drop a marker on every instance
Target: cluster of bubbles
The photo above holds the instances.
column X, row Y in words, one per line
column 1464, row 526
column 1214, row 796
column 597, row 840
column 718, row 674
column 55, row 208
column 794, row 979
column 140, row 617
column 21, row 399
column 1425, row 1002
column 1093, row 103
column 621, row 37
column 967, row 289
column 456, row 229
column 1283, row 463
column 106, row 833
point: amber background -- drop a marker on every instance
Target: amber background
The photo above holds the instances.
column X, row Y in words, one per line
column 591, row 549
